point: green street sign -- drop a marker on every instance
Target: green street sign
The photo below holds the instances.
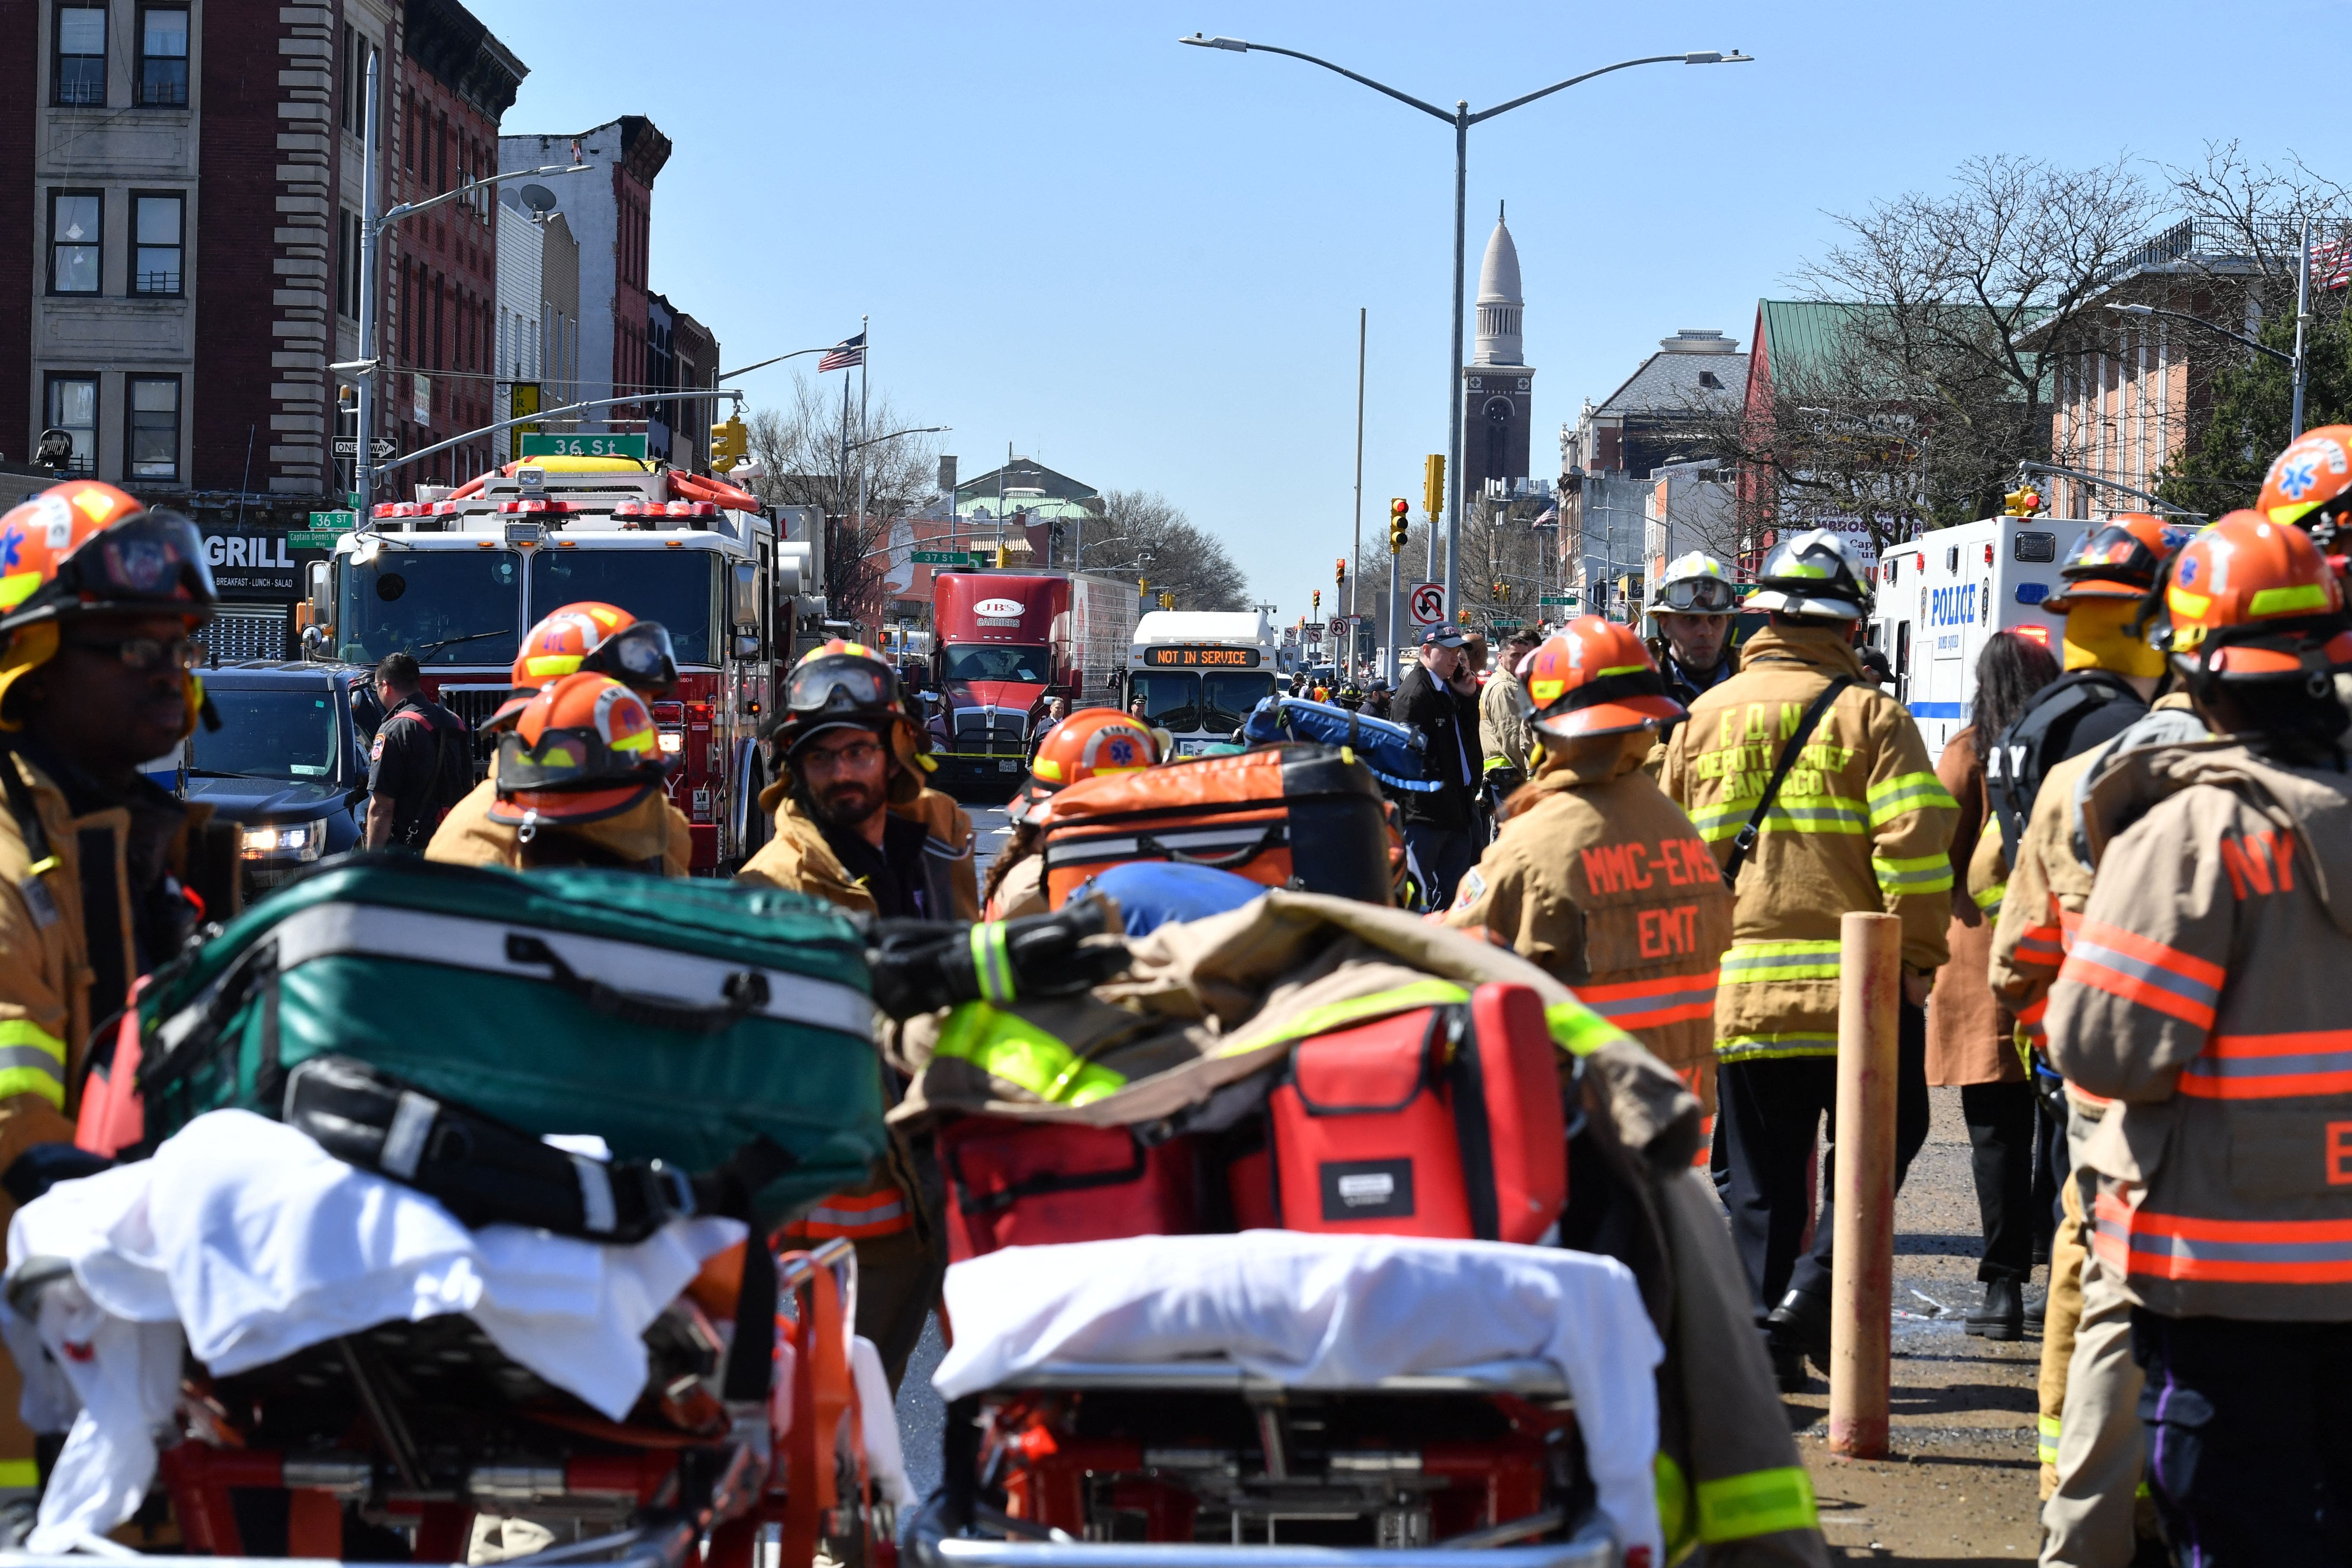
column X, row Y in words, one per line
column 334, row 521
column 584, row 446
column 311, row 538
column 1557, row 599
column 1503, row 622
column 940, row 558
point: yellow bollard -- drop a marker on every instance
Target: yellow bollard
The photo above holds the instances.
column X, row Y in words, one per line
column 1861, row 1269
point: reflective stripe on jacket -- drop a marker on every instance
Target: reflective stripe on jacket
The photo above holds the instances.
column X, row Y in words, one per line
column 2195, row 992
column 1860, row 823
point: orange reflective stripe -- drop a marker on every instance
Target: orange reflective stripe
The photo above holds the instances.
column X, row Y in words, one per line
column 2069, row 920
column 2041, row 946
column 2223, row 1251
column 1645, row 1004
column 2271, row 1066
column 856, row 1216
column 2142, row 970
column 2031, row 1019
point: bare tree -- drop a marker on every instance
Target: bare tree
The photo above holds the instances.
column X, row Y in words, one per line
column 1142, row 534
column 804, row 456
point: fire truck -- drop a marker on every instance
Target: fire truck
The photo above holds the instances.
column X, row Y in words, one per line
column 454, row 582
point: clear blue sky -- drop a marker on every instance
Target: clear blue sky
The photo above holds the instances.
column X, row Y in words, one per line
column 1141, row 263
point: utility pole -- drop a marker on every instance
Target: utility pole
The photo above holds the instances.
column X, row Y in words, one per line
column 2301, row 317
column 1355, row 544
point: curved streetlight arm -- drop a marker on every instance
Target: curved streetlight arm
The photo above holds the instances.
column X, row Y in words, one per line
column 918, row 430
column 2284, row 358
column 1689, row 57
column 731, row 374
column 1242, row 46
column 406, row 210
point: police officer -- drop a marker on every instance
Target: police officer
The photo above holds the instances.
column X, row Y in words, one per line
column 100, row 598
column 1438, row 701
column 420, row 764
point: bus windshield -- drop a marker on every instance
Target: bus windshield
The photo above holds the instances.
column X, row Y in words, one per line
column 676, row 588
column 998, row 661
column 1214, row 703
column 1230, row 694
column 1171, row 699
column 442, row 606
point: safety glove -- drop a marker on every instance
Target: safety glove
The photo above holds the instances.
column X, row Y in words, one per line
column 920, row 966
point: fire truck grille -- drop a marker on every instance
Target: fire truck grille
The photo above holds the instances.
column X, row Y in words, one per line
column 977, row 730
column 475, row 704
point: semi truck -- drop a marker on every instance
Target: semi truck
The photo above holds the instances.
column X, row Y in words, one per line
column 456, row 580
column 1200, row 673
column 1006, row 642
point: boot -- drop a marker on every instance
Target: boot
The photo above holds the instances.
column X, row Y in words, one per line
column 2003, row 1315
column 1800, row 1323
column 1788, row 1369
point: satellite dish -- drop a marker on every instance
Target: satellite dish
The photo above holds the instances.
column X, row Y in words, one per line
column 539, row 199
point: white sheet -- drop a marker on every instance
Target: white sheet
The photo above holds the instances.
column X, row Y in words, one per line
column 257, row 1242
column 1330, row 1311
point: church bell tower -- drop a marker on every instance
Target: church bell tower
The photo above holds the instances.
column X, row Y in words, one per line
column 1497, row 386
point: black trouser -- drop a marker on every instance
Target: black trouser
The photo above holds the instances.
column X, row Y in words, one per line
column 2249, row 1453
column 1769, row 1112
column 1441, row 856
column 2052, row 1168
column 2001, row 1118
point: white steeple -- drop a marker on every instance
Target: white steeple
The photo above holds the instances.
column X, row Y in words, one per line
column 1498, row 300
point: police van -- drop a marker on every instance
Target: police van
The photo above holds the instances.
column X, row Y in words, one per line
column 1942, row 594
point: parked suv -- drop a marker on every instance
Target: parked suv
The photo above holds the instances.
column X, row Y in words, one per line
column 290, row 761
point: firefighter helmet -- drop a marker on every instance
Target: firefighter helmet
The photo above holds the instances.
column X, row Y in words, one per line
column 1696, row 585
column 2310, row 483
column 1596, row 678
column 583, row 749
column 1815, row 573
column 2250, row 599
column 1090, row 742
column 2120, row 559
column 838, row 683
column 590, row 635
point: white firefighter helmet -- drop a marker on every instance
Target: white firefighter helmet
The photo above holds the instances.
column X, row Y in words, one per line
column 1696, row 585
column 1815, row 573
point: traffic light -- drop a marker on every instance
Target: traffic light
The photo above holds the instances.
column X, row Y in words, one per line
column 1167, row 600
column 1318, row 603
column 1432, row 485
column 731, row 443
column 2023, row 501
column 1398, row 509
column 1339, row 574
column 1462, row 617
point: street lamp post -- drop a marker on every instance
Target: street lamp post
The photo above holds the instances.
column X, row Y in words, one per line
column 1461, row 118
column 2294, row 360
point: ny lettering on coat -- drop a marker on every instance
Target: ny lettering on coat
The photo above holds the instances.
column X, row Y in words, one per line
column 1637, row 868
column 1673, row 931
column 2339, row 1153
column 2260, row 862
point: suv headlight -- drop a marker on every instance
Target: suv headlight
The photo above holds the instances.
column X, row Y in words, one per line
column 290, row 841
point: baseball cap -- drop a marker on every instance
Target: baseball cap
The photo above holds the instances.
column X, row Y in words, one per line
column 1443, row 636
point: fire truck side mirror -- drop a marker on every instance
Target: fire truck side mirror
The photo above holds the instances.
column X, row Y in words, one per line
column 322, row 609
column 744, row 600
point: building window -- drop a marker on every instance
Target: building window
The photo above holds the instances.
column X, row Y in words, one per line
column 74, row 240
column 153, row 405
column 156, row 220
column 80, row 71
column 358, row 52
column 163, row 56
column 73, row 408
column 351, row 266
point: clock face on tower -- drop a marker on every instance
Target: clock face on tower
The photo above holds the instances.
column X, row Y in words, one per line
column 1499, row 410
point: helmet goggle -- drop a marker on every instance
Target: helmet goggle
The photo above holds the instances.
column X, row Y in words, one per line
column 577, row 759
column 845, row 682
column 639, row 654
column 1698, row 595
column 156, row 556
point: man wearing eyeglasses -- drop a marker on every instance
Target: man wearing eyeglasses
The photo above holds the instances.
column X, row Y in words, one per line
column 1694, row 609
column 98, row 600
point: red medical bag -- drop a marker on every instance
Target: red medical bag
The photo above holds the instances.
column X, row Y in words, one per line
column 1442, row 1121
column 1029, row 1183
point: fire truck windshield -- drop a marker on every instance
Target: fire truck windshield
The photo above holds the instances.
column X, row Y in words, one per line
column 444, row 607
column 679, row 588
column 988, row 661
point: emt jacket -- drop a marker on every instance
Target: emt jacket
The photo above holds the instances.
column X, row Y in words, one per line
column 2196, row 993
column 1602, row 882
column 1860, row 823
column 650, row 830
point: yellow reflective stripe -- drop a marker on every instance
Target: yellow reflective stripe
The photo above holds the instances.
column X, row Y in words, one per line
column 2049, row 1444
column 1761, row 962
column 1579, row 1030
column 1772, row 1047
column 546, row 664
column 1494, row 762
column 2279, row 600
column 1007, row 1045
column 1790, row 814
column 1335, row 1014
column 31, row 1061
column 1907, row 792
column 16, row 587
column 1920, row 874
column 1757, row 1503
column 990, row 961
column 1989, row 900
column 1677, row 1510
column 19, row 1475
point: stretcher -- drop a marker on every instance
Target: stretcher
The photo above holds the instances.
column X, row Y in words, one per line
column 1202, row 1464
column 386, row 1445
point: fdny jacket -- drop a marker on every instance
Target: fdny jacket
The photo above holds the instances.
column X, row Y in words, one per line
column 1860, row 823
column 1601, row 882
column 652, row 830
column 2195, row 994
column 1505, row 739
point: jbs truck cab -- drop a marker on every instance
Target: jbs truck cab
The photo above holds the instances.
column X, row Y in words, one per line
column 1200, row 673
column 1007, row 642
column 456, row 581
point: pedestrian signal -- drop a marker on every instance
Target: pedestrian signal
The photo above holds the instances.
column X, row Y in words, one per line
column 1432, row 484
column 1398, row 510
column 731, row 443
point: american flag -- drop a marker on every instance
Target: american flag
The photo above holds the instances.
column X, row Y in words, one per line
column 2331, row 263
column 842, row 355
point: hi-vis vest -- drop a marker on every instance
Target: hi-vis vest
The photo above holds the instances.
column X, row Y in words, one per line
column 1860, row 823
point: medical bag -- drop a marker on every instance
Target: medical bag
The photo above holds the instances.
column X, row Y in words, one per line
column 1440, row 1121
column 1030, row 1184
column 1300, row 816
column 683, row 1021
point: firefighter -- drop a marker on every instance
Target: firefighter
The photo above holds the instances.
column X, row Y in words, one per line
column 2310, row 484
column 1856, row 820
column 1510, row 748
column 599, row 638
column 579, row 781
column 838, row 838
column 99, row 598
column 1692, row 611
column 1595, row 875
column 2194, row 995
column 1090, row 741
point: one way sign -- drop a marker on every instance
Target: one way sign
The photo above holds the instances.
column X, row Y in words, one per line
column 382, row 448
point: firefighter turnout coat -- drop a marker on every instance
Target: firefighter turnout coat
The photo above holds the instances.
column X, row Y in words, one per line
column 1601, row 882
column 2196, row 995
column 1860, row 823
